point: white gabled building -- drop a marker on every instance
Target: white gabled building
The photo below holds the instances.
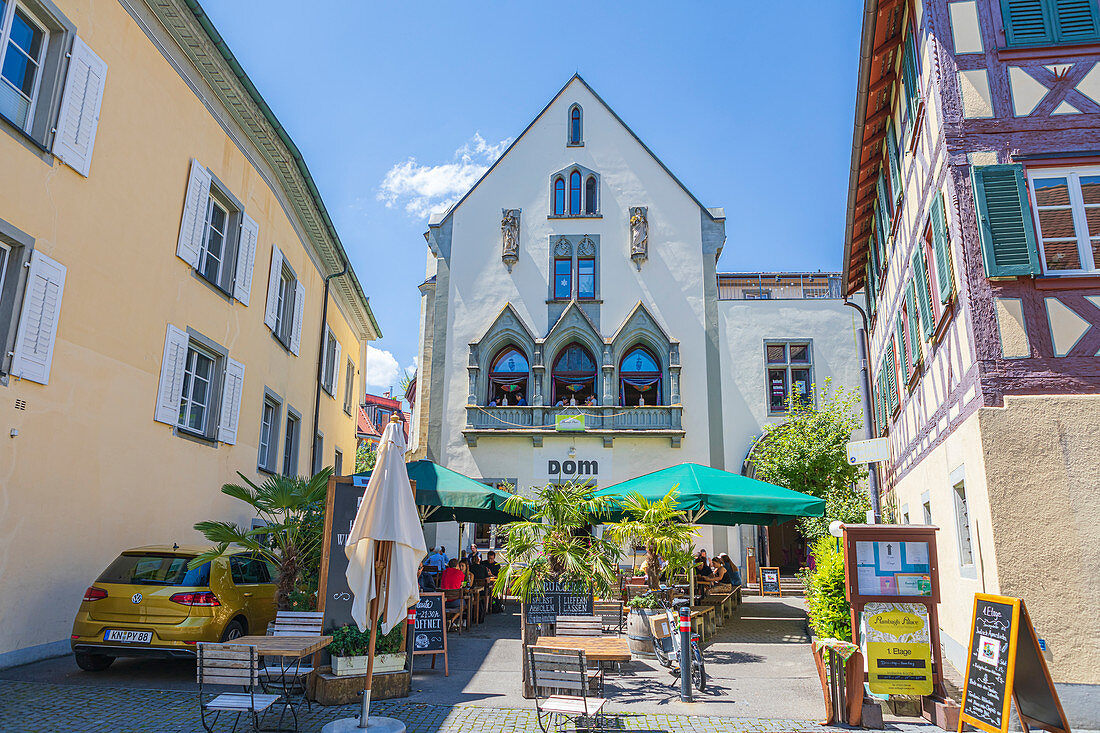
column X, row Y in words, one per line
column 580, row 269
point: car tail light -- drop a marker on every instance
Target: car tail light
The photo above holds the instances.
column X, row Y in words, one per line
column 94, row 594
column 202, row 598
column 74, row 637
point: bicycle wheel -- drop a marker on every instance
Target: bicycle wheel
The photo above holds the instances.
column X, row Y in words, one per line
column 698, row 670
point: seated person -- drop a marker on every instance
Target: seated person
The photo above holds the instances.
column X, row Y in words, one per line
column 425, row 580
column 467, row 579
column 717, row 571
column 478, row 569
column 453, row 576
column 559, row 403
column 492, row 403
column 733, row 576
column 491, row 564
column 519, row 399
column 437, row 560
column 702, row 567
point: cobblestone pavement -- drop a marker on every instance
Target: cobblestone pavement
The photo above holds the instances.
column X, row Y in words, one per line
column 30, row 707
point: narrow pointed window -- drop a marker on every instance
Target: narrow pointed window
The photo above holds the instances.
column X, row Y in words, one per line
column 590, row 195
column 575, row 192
column 639, row 379
column 575, row 125
column 559, row 196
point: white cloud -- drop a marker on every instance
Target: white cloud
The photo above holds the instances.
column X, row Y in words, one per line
column 423, row 189
column 382, row 369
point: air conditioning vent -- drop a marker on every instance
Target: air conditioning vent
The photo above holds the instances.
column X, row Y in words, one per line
column 20, row 404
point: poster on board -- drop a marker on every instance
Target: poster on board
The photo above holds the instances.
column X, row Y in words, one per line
column 430, row 629
column 893, row 568
column 897, row 644
column 769, row 582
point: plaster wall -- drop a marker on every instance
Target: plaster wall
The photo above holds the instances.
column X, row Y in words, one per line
column 90, row 472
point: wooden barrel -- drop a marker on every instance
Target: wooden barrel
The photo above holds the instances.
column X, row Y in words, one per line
column 639, row 637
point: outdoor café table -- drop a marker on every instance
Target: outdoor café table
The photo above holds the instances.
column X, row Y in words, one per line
column 295, row 647
column 595, row 648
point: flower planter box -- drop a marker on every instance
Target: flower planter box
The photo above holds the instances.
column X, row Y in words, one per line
column 637, row 580
column 383, row 663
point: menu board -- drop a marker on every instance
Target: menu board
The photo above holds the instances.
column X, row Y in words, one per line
column 558, row 599
column 340, row 515
column 769, row 582
column 1005, row 663
column 898, row 646
column 893, row 568
column 429, row 631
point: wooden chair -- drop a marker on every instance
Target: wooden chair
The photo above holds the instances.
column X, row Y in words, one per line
column 579, row 626
column 611, row 614
column 457, row 614
column 561, row 683
column 232, row 665
column 290, row 675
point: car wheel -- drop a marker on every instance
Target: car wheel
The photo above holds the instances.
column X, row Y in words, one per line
column 93, row 662
column 233, row 630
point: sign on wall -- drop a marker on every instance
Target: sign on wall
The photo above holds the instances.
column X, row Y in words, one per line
column 868, row 451
column 1005, row 663
column 560, row 463
column 898, row 646
column 569, row 423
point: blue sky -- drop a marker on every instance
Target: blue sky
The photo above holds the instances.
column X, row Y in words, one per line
column 398, row 107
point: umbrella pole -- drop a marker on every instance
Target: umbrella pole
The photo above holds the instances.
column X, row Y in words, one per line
column 382, row 551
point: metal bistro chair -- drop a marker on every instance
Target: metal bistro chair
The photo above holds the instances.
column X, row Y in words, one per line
column 231, row 665
column 290, row 675
column 561, row 687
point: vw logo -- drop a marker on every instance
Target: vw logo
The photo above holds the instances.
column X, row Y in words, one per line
column 136, row 598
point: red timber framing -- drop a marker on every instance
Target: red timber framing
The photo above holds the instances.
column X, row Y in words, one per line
column 880, row 85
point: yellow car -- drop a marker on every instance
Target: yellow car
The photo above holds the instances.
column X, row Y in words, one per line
column 148, row 604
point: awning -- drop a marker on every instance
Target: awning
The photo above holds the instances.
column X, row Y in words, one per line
column 712, row 496
column 443, row 495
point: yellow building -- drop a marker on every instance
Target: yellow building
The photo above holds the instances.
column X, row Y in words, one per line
column 171, row 287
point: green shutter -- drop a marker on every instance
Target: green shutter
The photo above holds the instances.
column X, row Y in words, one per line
column 869, row 288
column 895, row 163
column 1076, row 21
column 881, row 227
column 924, row 299
column 1004, row 221
column 883, row 199
column 911, row 78
column 941, row 247
column 1027, row 22
column 914, row 322
column 899, row 327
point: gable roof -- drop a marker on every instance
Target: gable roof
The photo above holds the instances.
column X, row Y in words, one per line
column 715, row 214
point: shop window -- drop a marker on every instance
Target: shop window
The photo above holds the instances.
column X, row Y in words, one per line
column 789, row 367
column 639, row 379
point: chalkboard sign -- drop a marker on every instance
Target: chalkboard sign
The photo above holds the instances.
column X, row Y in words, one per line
column 769, row 582
column 558, row 600
column 430, row 629
column 1005, row 663
column 334, row 595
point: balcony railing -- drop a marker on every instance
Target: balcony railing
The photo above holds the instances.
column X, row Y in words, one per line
column 536, row 422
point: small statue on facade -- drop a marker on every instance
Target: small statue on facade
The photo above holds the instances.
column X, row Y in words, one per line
column 509, row 235
column 639, row 234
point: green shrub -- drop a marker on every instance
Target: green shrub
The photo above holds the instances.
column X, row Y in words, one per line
column 643, row 601
column 349, row 641
column 829, row 612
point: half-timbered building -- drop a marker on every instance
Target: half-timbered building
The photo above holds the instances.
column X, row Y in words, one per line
column 974, row 224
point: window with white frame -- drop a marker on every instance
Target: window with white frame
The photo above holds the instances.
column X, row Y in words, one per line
column 332, row 358
column 1066, row 202
column 290, row 442
column 200, row 387
column 23, row 43
column 196, row 399
column 789, row 368
column 962, row 523
column 269, row 434
column 285, row 302
column 338, row 463
column 349, row 386
column 31, row 289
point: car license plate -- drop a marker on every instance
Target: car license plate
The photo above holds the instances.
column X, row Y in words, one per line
column 128, row 637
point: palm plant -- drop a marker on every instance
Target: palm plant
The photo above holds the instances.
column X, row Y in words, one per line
column 656, row 525
column 285, row 504
column 553, row 543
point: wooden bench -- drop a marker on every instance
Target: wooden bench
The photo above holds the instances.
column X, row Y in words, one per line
column 702, row 621
column 723, row 599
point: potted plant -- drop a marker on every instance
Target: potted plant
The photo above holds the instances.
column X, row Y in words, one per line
column 349, row 649
column 658, row 526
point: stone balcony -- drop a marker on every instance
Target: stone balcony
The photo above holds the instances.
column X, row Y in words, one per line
column 658, row 421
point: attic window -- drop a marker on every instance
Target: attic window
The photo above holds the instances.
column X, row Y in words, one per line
column 575, row 125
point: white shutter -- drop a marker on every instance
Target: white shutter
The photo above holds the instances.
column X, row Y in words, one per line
column 194, row 214
column 333, row 371
column 271, row 315
column 171, row 376
column 232, row 386
column 246, row 256
column 79, row 115
column 34, row 340
column 299, row 306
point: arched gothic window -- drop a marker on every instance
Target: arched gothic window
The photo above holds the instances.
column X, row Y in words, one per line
column 590, row 195
column 573, row 377
column 639, row 378
column 575, row 125
column 508, row 377
column 559, row 196
column 575, row 192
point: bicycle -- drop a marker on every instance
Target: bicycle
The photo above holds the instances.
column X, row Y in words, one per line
column 667, row 649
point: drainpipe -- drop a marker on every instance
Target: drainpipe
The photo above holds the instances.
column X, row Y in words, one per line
column 321, row 369
column 868, row 407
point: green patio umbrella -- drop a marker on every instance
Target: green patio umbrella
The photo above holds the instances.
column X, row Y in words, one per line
column 443, row 495
column 712, row 496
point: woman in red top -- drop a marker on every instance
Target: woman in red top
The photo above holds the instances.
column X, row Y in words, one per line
column 452, row 578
